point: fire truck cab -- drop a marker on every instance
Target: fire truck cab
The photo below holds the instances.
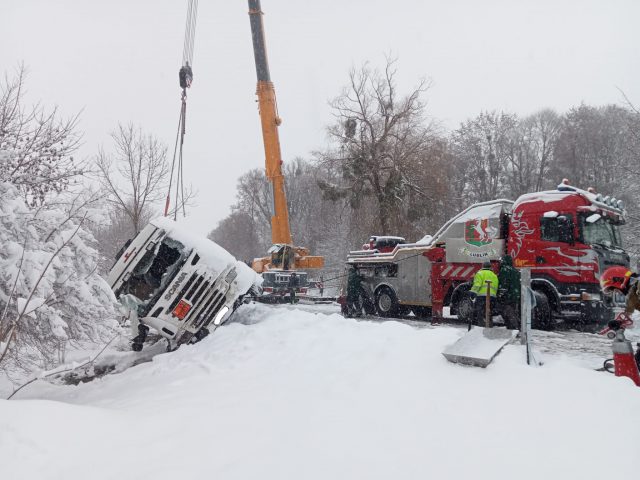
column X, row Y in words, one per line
column 566, row 236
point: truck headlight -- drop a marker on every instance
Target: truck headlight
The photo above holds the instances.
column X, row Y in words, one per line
column 590, row 297
column 223, row 311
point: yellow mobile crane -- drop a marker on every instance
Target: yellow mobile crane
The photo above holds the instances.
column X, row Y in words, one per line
column 284, row 257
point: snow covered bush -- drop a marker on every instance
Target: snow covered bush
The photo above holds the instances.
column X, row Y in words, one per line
column 51, row 295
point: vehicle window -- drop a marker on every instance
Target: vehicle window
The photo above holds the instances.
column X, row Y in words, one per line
column 551, row 228
column 599, row 231
column 156, row 269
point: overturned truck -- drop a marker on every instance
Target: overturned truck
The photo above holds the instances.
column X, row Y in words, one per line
column 180, row 285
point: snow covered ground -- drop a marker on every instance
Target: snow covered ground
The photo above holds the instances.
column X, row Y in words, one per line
column 302, row 393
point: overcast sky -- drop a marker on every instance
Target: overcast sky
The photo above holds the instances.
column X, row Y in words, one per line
column 117, row 61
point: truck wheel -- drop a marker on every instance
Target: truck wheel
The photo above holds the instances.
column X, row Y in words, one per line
column 422, row 313
column 541, row 318
column 511, row 316
column 386, row 302
column 465, row 308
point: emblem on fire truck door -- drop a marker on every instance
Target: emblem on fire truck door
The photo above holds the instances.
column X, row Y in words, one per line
column 478, row 232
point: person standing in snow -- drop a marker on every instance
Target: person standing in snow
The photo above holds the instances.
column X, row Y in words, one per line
column 479, row 288
column 624, row 280
column 293, row 283
column 353, row 292
column 509, row 292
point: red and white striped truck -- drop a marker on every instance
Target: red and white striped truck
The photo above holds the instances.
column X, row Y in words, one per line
column 566, row 236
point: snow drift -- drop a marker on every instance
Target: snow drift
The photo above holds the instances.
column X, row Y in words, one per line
column 289, row 394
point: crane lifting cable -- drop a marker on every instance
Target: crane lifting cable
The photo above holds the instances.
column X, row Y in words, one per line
column 185, row 77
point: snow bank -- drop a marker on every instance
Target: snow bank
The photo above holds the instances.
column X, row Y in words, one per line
column 289, row 394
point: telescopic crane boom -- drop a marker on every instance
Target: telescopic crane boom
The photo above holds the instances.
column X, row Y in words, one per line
column 283, row 254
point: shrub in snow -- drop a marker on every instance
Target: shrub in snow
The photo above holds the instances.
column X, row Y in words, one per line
column 51, row 296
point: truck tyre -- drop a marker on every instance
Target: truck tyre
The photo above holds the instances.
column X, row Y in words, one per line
column 541, row 318
column 386, row 302
column 464, row 307
column 511, row 315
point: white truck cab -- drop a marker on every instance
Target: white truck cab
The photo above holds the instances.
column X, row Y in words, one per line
column 180, row 285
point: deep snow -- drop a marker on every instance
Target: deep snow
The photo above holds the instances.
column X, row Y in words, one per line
column 286, row 393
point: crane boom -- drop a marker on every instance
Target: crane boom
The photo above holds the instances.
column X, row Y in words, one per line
column 284, row 255
column 280, row 230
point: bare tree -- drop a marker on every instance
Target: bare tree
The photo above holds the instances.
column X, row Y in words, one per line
column 377, row 137
column 238, row 234
column 528, row 149
column 134, row 174
column 483, row 147
column 42, row 144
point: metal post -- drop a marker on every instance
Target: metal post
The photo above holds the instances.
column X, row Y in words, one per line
column 487, row 306
column 525, row 308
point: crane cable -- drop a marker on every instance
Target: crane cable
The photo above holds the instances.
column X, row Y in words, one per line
column 185, row 77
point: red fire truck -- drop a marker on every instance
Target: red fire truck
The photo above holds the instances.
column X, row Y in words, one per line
column 566, row 236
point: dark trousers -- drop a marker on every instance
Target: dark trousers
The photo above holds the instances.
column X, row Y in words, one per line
column 479, row 306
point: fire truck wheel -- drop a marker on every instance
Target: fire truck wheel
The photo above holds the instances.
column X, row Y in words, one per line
column 511, row 316
column 386, row 302
column 465, row 307
column 541, row 318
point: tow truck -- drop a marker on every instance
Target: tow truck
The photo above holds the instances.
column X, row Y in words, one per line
column 567, row 237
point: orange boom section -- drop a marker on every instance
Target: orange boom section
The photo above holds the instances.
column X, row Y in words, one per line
column 283, row 255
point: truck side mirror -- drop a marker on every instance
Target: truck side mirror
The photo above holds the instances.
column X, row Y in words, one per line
column 565, row 230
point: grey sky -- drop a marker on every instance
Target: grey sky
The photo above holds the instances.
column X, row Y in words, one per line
column 117, row 60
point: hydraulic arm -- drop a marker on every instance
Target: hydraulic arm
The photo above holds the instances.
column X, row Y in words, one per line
column 283, row 254
column 280, row 230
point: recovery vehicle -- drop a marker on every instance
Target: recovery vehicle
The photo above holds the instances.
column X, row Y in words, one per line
column 568, row 237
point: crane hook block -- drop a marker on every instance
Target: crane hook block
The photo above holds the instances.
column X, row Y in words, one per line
column 186, row 76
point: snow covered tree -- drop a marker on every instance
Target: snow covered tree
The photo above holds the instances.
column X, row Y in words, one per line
column 51, row 295
column 378, row 139
column 42, row 143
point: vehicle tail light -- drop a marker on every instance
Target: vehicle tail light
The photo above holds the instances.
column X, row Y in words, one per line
column 267, row 289
column 182, row 309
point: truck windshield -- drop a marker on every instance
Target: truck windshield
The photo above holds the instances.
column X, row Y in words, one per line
column 597, row 230
column 154, row 271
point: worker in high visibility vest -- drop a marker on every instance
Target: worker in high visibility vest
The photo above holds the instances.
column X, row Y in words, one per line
column 479, row 288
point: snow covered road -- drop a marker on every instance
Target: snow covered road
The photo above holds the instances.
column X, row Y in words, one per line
column 293, row 393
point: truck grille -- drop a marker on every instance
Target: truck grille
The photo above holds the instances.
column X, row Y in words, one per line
column 205, row 299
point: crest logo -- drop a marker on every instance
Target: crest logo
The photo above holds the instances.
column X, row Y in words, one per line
column 477, row 232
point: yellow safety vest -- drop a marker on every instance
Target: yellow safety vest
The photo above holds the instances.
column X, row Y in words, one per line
column 480, row 285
